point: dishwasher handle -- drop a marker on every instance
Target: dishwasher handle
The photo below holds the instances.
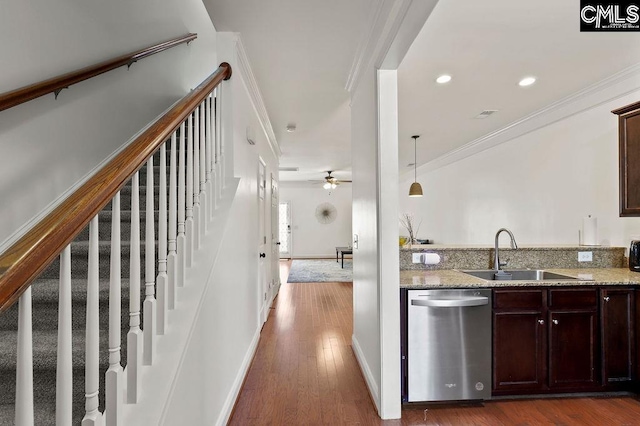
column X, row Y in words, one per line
column 451, row 302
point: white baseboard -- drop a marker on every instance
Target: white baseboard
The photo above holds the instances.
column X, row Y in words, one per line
column 374, row 390
column 227, row 408
column 317, row 256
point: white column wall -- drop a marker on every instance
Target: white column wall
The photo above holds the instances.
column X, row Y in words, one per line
column 366, row 313
column 48, row 145
column 539, row 185
column 310, row 238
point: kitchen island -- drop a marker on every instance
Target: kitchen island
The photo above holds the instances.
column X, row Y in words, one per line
column 551, row 336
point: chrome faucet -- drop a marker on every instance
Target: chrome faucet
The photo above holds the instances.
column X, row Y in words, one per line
column 496, row 260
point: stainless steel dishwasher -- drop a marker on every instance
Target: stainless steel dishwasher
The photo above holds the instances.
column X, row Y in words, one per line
column 448, row 345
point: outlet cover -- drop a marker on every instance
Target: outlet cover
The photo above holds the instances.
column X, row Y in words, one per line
column 416, row 258
column 585, row 256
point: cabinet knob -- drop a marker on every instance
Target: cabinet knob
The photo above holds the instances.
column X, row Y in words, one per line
column 541, row 321
column 606, row 298
column 555, row 321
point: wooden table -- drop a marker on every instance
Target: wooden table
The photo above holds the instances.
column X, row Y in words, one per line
column 342, row 251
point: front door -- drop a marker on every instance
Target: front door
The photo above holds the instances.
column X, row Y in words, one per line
column 284, row 230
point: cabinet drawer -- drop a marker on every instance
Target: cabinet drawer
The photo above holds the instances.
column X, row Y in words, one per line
column 518, row 299
column 573, row 298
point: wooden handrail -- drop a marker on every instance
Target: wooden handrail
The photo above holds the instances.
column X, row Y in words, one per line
column 55, row 84
column 29, row 256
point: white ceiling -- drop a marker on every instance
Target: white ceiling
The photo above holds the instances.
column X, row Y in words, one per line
column 488, row 46
column 301, row 52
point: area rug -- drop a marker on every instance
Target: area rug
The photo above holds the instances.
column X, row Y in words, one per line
column 319, row 271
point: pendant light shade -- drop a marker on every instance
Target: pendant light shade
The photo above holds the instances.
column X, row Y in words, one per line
column 416, row 188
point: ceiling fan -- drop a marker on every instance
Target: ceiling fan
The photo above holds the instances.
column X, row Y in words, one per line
column 331, row 182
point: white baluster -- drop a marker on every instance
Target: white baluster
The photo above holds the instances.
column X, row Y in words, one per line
column 172, row 257
column 162, row 284
column 216, row 138
column 204, row 214
column 189, row 208
column 218, row 143
column 113, row 377
column 64, row 370
column 149, row 313
column 134, row 337
column 180, row 240
column 24, row 366
column 196, row 179
column 210, row 188
column 92, row 416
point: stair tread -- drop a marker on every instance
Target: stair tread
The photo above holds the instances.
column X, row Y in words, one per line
column 45, row 343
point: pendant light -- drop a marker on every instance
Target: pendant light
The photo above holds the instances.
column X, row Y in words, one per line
column 416, row 189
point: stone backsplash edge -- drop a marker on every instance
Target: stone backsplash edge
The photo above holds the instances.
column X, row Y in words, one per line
column 535, row 257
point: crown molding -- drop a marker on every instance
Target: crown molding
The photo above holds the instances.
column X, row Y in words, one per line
column 256, row 97
column 606, row 90
column 393, row 25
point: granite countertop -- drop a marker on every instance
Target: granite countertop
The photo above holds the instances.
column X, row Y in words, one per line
column 529, row 247
column 451, row 278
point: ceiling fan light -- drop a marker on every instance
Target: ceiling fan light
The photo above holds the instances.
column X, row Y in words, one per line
column 415, row 190
column 326, row 185
column 334, row 186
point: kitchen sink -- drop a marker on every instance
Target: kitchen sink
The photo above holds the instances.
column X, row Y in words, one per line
column 519, row 275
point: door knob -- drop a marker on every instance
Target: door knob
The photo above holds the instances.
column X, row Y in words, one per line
column 540, row 321
column 263, row 255
column 278, row 243
column 555, row 322
column 606, row 298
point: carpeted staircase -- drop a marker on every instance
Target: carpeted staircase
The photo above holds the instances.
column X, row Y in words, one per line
column 45, row 315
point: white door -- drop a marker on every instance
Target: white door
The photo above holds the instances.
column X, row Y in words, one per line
column 275, row 239
column 263, row 285
column 285, row 229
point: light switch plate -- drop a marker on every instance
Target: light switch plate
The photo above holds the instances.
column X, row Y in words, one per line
column 585, row 256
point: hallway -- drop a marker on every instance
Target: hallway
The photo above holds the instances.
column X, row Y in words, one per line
column 305, row 373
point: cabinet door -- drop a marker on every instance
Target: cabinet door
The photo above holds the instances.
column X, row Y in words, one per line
column 519, row 351
column 616, row 327
column 572, row 349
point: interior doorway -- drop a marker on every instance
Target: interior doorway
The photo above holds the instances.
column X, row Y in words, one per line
column 285, row 230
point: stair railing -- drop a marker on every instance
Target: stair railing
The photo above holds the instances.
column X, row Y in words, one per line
column 57, row 84
column 195, row 184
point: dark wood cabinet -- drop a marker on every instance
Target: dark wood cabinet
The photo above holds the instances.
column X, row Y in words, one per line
column 572, row 319
column 572, row 349
column 629, row 157
column 519, row 342
column 545, row 340
column 617, row 328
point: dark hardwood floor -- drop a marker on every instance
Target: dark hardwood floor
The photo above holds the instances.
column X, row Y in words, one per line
column 305, row 373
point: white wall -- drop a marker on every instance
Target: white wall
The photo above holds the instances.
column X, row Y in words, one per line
column 48, row 145
column 227, row 329
column 366, row 315
column 311, row 238
column 540, row 185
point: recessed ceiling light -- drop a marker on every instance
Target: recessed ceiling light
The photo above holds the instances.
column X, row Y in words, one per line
column 527, row 81
column 291, row 127
column 444, row 78
column 411, row 164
